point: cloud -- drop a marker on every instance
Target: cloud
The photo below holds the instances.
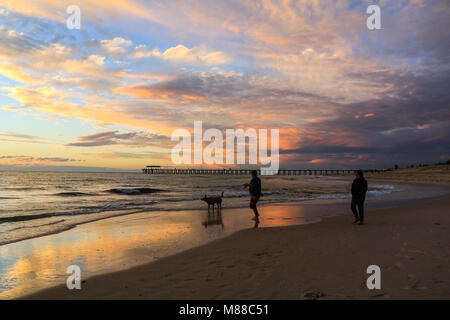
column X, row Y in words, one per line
column 130, row 139
column 56, row 10
column 155, row 155
column 56, row 159
column 21, row 138
column 17, row 135
column 116, row 47
column 196, row 55
column 311, row 68
column 27, row 160
column 224, row 88
column 14, row 72
column 181, row 54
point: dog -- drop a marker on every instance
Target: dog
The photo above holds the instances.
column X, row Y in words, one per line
column 213, row 200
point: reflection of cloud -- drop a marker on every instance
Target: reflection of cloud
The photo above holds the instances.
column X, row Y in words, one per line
column 46, row 261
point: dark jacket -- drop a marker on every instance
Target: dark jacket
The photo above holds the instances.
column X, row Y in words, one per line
column 255, row 189
column 359, row 188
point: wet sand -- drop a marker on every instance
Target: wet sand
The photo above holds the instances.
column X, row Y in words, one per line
column 327, row 260
column 122, row 242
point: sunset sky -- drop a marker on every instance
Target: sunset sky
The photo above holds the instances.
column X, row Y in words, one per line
column 110, row 94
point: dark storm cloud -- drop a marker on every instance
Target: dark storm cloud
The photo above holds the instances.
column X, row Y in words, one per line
column 409, row 122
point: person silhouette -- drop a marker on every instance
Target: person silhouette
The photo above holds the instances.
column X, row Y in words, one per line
column 254, row 188
column 359, row 189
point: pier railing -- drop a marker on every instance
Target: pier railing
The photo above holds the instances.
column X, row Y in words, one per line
column 293, row 172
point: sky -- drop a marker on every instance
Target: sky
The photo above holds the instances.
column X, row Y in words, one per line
column 110, row 94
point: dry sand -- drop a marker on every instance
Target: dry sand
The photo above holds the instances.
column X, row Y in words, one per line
column 430, row 175
column 327, row 260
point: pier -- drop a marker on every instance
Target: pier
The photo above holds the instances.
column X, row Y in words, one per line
column 230, row 171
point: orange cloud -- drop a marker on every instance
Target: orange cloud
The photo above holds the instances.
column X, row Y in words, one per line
column 13, row 72
column 156, row 93
column 319, row 160
column 52, row 9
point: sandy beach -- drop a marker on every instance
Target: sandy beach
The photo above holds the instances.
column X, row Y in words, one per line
column 325, row 260
column 318, row 131
column 429, row 175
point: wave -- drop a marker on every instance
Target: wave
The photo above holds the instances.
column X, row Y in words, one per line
column 134, row 191
column 25, row 217
column 179, row 199
column 162, row 203
column 384, row 187
column 86, row 211
column 23, row 189
column 226, row 195
column 39, row 225
column 321, row 197
column 73, row 194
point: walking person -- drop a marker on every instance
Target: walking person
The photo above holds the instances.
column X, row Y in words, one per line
column 359, row 189
column 254, row 188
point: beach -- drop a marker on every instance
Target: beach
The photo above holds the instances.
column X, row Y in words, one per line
column 319, row 128
column 323, row 260
column 326, row 260
column 304, row 245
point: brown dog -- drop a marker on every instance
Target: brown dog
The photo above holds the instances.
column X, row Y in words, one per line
column 213, row 200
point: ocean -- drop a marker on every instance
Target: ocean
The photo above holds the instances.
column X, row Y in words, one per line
column 38, row 203
column 144, row 218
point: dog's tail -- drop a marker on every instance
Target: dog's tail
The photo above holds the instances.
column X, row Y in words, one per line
column 222, row 194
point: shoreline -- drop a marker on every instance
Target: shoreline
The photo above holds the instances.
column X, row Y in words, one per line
column 119, row 213
column 97, row 286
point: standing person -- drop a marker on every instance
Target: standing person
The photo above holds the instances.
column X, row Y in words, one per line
column 359, row 189
column 254, row 187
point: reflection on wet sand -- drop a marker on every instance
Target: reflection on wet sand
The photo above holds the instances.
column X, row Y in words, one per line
column 213, row 218
column 123, row 242
column 46, row 260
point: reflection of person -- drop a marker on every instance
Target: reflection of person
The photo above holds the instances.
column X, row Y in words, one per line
column 359, row 189
column 254, row 187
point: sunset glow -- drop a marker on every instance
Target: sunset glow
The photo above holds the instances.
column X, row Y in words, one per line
column 110, row 94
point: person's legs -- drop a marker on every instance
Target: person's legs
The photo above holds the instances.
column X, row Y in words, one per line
column 361, row 210
column 353, row 207
column 253, row 201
